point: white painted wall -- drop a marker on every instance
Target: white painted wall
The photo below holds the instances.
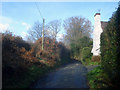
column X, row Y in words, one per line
column 96, row 36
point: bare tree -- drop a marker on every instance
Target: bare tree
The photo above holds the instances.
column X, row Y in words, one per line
column 35, row 32
column 76, row 28
column 53, row 28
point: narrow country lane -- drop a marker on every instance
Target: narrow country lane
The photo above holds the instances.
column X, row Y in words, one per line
column 70, row 76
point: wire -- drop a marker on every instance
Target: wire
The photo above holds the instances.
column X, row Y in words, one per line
column 38, row 9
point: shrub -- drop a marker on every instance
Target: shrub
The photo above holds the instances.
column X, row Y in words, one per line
column 86, row 52
column 96, row 58
column 98, row 79
column 16, row 58
column 77, row 47
column 53, row 51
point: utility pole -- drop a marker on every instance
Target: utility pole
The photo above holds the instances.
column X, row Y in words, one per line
column 43, row 35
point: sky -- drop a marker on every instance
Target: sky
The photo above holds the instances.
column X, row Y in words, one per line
column 19, row 17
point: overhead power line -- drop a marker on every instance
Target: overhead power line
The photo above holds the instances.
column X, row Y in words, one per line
column 43, row 25
column 38, row 9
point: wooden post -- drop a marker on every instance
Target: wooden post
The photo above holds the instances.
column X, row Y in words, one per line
column 43, row 35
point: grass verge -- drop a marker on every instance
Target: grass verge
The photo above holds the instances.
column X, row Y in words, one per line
column 97, row 79
column 88, row 62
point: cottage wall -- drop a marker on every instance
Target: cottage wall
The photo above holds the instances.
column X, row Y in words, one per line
column 96, row 35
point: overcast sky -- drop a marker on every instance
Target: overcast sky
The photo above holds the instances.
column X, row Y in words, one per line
column 18, row 17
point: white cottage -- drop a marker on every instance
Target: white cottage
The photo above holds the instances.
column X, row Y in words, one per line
column 98, row 29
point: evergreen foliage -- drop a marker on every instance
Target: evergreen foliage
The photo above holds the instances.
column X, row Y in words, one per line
column 78, row 30
column 110, row 46
column 82, row 49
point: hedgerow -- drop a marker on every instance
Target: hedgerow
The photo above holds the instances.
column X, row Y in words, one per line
column 110, row 49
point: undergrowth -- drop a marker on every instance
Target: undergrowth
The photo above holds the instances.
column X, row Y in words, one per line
column 98, row 79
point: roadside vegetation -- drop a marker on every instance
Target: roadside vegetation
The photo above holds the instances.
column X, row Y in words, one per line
column 78, row 39
column 107, row 75
column 23, row 63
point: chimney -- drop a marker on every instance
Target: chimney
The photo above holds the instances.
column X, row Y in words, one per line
column 97, row 18
column 96, row 14
column 96, row 34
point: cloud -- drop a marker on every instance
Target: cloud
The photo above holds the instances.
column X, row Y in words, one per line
column 4, row 20
column 27, row 26
column 4, row 27
column 60, row 35
column 24, row 35
column 7, row 23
